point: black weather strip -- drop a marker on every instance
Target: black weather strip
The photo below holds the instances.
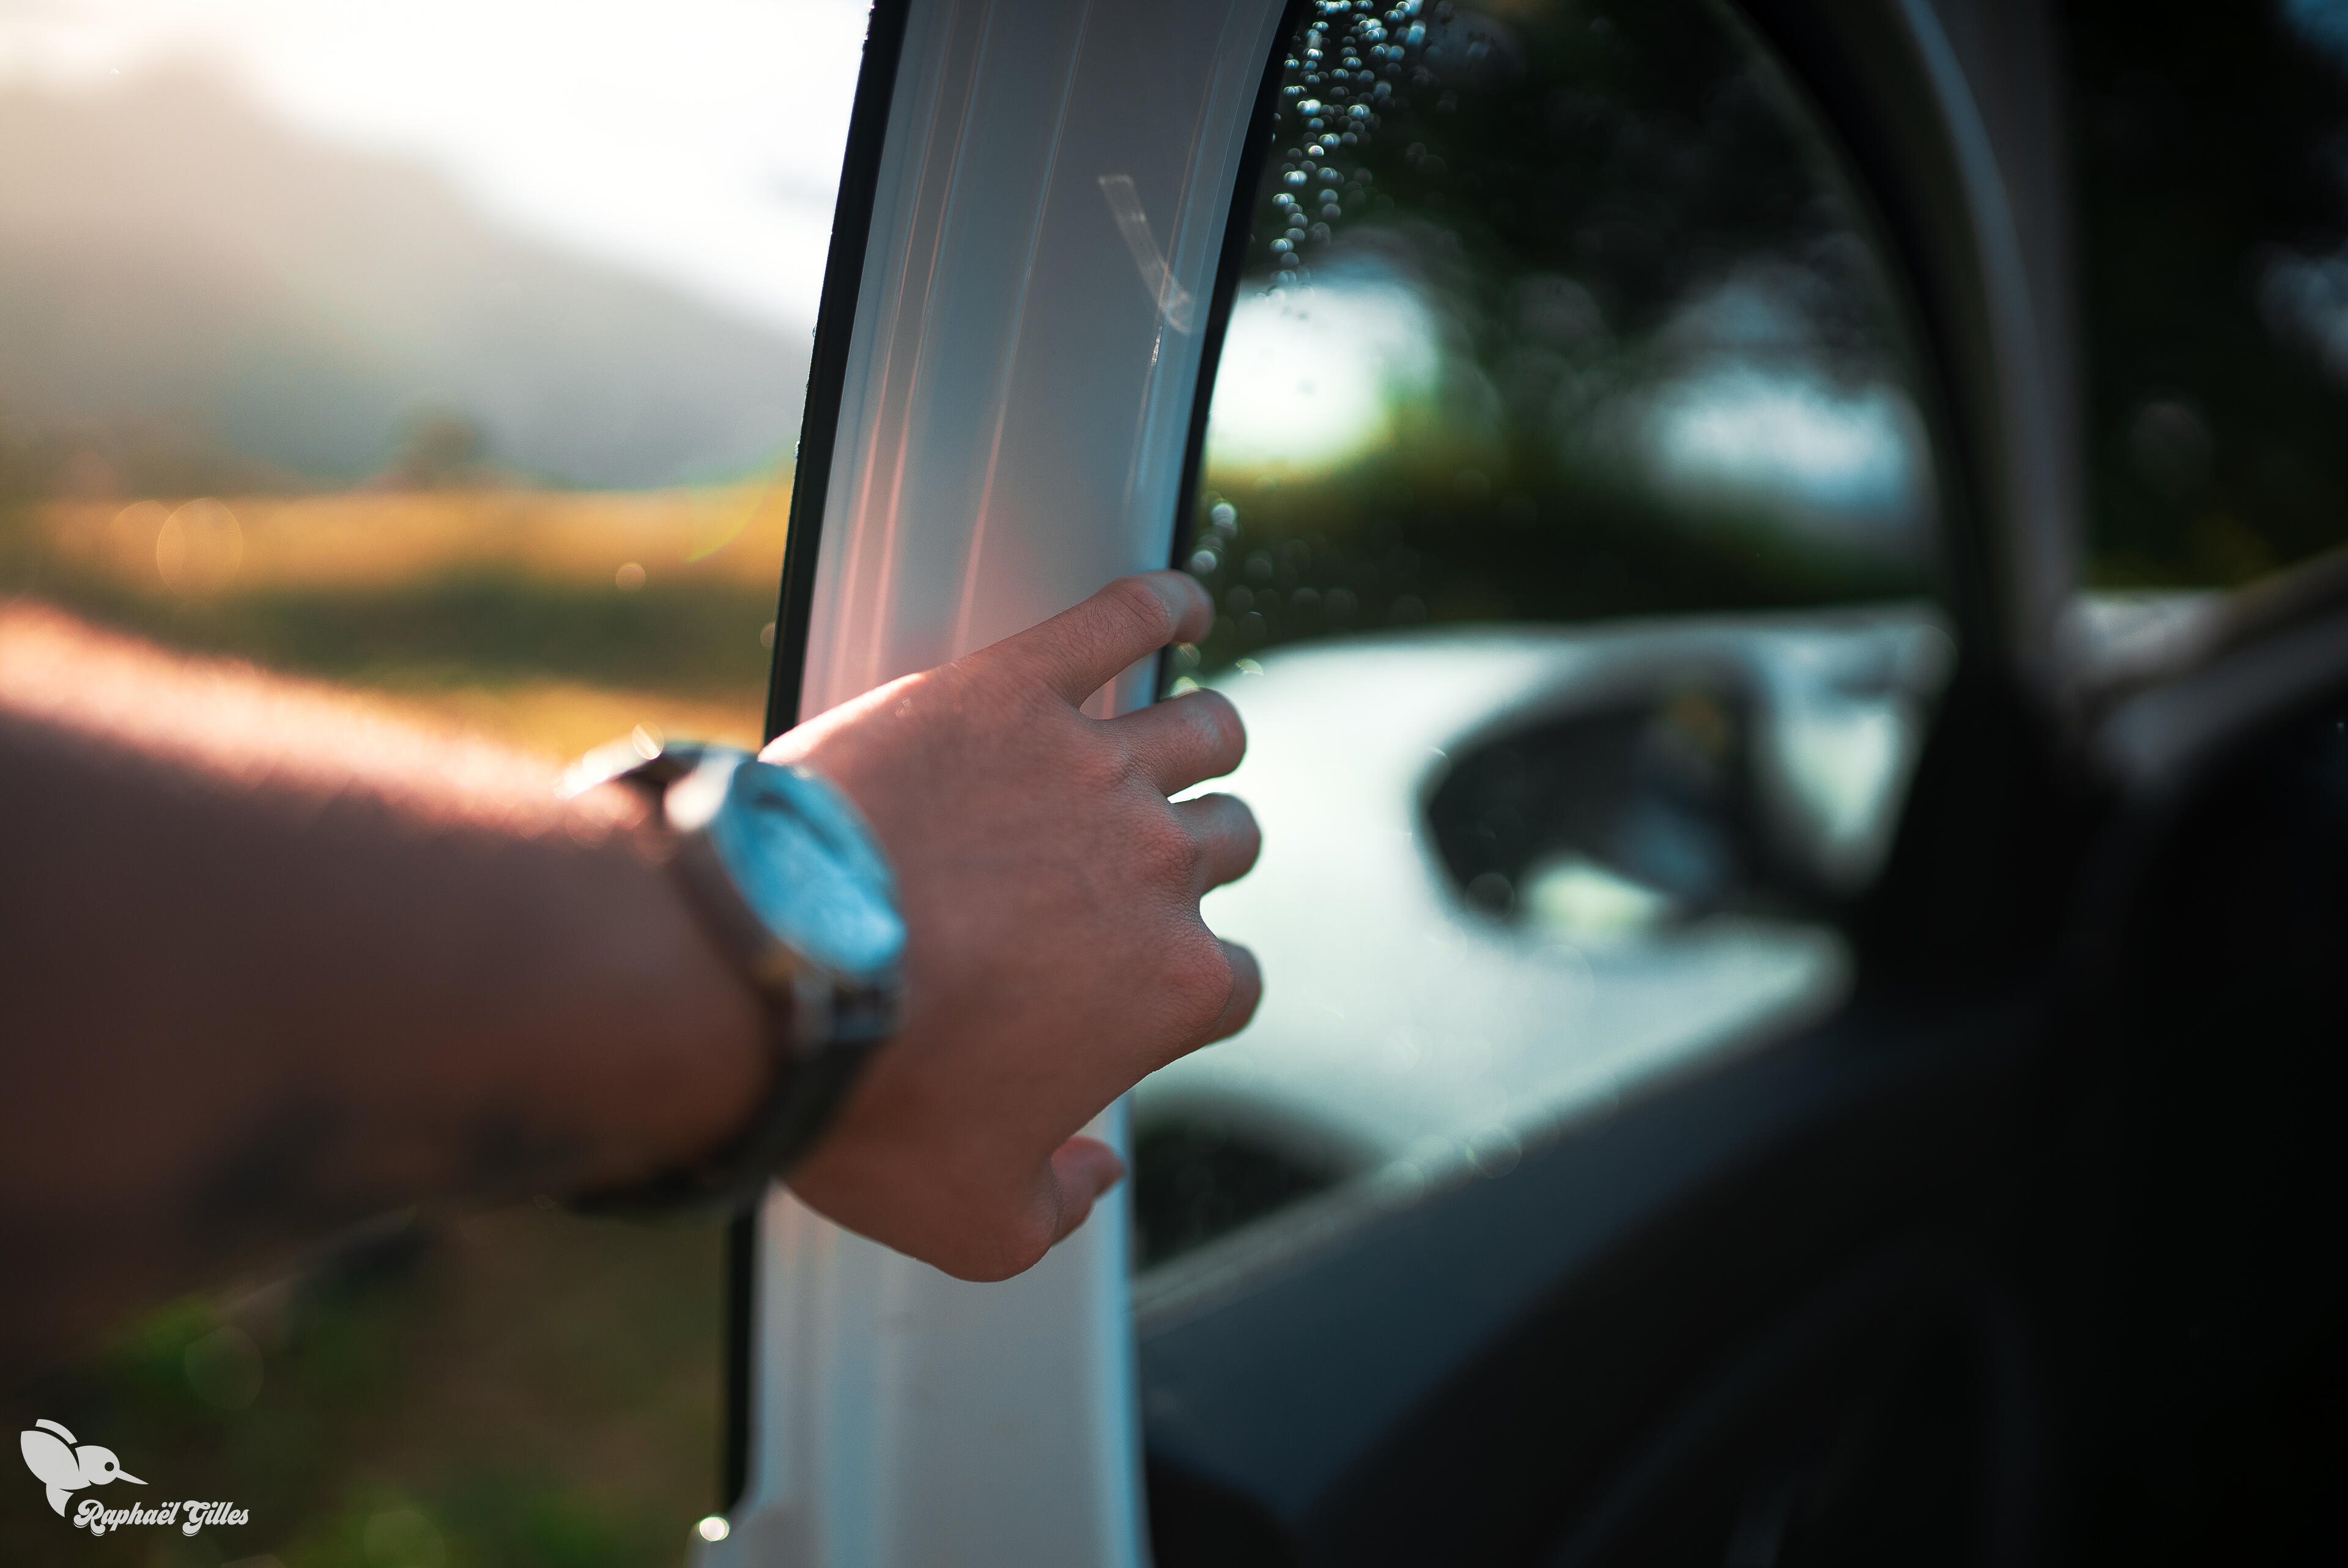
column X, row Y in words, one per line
column 741, row 1354
column 1238, row 234
column 835, row 326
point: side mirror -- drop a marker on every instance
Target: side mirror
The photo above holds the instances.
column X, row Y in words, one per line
column 1718, row 771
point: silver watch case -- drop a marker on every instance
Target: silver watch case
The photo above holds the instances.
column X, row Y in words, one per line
column 793, row 886
column 781, row 858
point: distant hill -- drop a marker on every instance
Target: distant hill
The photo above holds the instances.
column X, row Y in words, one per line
column 178, row 270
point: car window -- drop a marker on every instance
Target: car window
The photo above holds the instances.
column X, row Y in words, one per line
column 1569, row 495
column 2211, row 167
column 451, row 355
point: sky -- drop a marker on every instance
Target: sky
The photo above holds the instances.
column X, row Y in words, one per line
column 698, row 143
column 694, row 141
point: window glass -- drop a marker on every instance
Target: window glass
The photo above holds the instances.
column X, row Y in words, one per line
column 2211, row 155
column 451, row 353
column 1570, row 507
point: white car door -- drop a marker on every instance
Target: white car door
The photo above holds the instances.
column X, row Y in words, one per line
column 1044, row 221
column 1004, row 367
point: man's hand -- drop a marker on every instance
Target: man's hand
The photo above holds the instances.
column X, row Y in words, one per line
column 276, row 963
column 1051, row 892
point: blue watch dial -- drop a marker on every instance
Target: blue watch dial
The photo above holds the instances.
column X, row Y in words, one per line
column 802, row 858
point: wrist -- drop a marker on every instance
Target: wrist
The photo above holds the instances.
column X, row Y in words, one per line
column 789, row 883
column 672, row 1038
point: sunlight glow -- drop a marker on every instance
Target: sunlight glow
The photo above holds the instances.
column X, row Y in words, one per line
column 698, row 140
column 1309, row 375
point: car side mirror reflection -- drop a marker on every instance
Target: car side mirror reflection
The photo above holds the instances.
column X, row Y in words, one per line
column 1608, row 821
column 1763, row 784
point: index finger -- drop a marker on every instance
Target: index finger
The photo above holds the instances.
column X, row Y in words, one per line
column 1082, row 649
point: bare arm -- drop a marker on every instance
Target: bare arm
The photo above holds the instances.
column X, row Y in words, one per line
column 274, row 963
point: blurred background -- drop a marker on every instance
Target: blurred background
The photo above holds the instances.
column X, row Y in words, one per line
column 1570, row 499
column 452, row 354
column 1570, row 493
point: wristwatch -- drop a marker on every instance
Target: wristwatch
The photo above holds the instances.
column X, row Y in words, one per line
column 791, row 883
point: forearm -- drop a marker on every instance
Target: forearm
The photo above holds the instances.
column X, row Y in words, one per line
column 275, row 963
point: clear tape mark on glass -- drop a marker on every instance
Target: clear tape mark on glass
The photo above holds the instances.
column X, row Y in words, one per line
column 1174, row 301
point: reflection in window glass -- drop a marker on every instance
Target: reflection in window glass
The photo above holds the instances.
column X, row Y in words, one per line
column 451, row 353
column 1570, row 510
column 2212, row 178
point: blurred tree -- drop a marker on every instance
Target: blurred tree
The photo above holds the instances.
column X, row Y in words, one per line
column 1593, row 201
column 2210, row 150
column 442, row 449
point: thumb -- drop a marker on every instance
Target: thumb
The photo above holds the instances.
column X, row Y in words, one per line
column 1082, row 1169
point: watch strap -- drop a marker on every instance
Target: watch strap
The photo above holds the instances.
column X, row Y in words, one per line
column 819, row 1029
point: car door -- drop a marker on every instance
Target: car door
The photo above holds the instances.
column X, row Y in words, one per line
column 2189, row 1310
column 1655, row 978
column 1015, row 311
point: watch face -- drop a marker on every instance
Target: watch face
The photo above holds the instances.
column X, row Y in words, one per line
column 807, row 865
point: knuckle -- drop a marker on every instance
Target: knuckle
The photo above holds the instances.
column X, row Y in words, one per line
column 1244, row 829
column 1231, row 730
column 1100, row 769
column 1198, row 980
column 1216, row 723
column 998, row 681
column 1227, row 818
column 1163, row 852
column 1138, row 601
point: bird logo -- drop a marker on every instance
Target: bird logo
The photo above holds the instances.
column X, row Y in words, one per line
column 51, row 1454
